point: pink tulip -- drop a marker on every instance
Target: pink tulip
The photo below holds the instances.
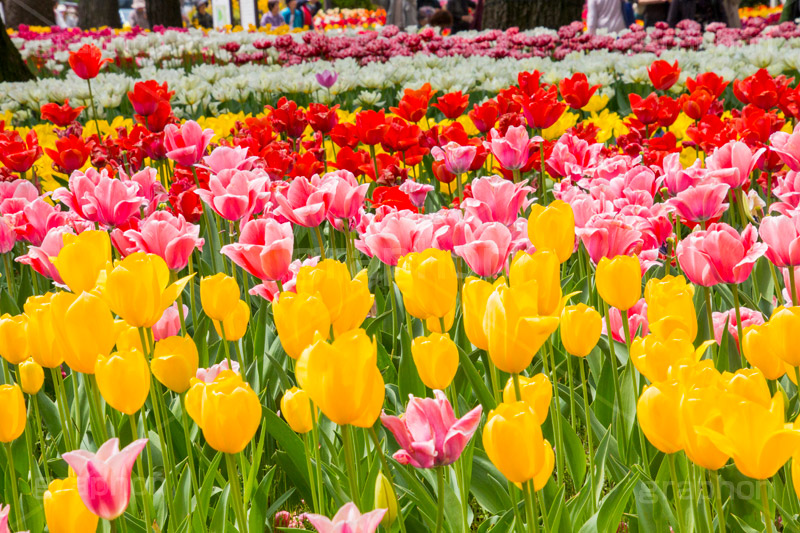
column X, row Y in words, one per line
column 346, row 196
column 348, row 519
column 150, row 188
column 8, row 237
column 429, row 434
column 732, row 163
column 235, row 194
column 512, row 150
column 5, row 510
column 269, row 289
column 168, row 236
column 395, row 235
column 788, row 147
column 457, row 159
column 97, row 197
column 787, row 188
column 39, row 258
column 187, row 144
column 303, row 203
column 14, row 195
column 720, row 254
column 449, row 228
column 678, row 179
column 637, row 322
column 496, row 199
column 104, row 478
column 486, row 250
column 170, row 322
column 264, row 248
column 701, row 203
column 208, row 375
column 228, row 158
column 608, row 235
column 416, row 191
column 787, row 282
column 728, row 318
column 572, row 156
column 782, row 237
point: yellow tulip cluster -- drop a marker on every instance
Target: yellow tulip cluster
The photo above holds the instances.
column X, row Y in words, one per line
column 772, row 347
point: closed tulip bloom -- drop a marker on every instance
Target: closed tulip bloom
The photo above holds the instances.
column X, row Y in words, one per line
column 41, row 338
column 512, row 149
column 219, row 295
column 14, row 338
column 514, row 329
column 553, row 228
column 175, row 361
column 656, row 353
column 747, row 384
column 674, row 298
column 342, row 378
column 457, row 158
column 64, row 510
column 659, row 415
column 428, row 283
column 581, row 327
column 474, row 296
column 138, row 289
column 13, row 415
column 298, row 318
column 385, row 498
column 619, row 281
column 82, row 258
column 87, row 61
column 701, row 203
column 85, row 329
column 719, row 254
column 348, row 299
column 784, row 325
column 536, row 391
column 759, row 350
column 348, row 520
column 296, row 409
column 436, row 359
column 31, row 376
column 542, row 269
column 514, row 443
column 235, row 323
column 264, row 248
column 187, row 144
column 227, row 410
column 700, row 409
column 168, row 236
column 486, row 249
column 128, row 337
column 104, row 478
column 124, row 380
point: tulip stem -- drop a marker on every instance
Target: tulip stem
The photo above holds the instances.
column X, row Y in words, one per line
column 9, row 275
column 559, row 435
column 349, row 461
column 626, row 327
column 768, row 517
column 540, row 503
column 710, row 319
column 236, row 492
column 530, row 509
column 94, row 113
column 440, row 496
column 95, row 410
column 735, row 290
column 14, row 491
column 63, row 408
column 140, row 471
column 615, row 373
column 225, row 345
column 589, row 438
column 313, row 487
column 393, row 299
column 571, row 391
column 676, row 491
column 191, row 291
column 542, row 179
column 317, row 444
column 706, row 500
column 718, row 498
column 517, row 388
column 792, row 286
column 320, row 241
column 388, row 473
column 188, row 440
column 40, row 433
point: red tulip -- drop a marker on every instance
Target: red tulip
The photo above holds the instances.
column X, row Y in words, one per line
column 371, row 126
column 663, row 75
column 322, row 118
column 543, row 109
column 485, row 116
column 288, row 118
column 61, row 115
column 696, row 104
column 158, row 120
column 414, row 104
column 645, row 109
column 146, row 96
column 70, row 154
column 20, row 156
column 87, row 62
column 709, row 82
column 576, row 91
column 760, row 89
column 529, row 82
column 352, row 160
column 392, row 197
column 400, row 135
column 668, row 111
column 452, row 105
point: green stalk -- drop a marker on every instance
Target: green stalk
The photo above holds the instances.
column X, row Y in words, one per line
column 735, row 290
column 14, row 491
column 706, row 500
column 9, row 275
column 615, row 372
column 317, row 444
column 560, row 470
column 792, row 286
column 307, row 448
column 140, row 470
column 188, row 444
column 589, row 437
column 349, row 453
column 632, row 371
column 94, row 112
column 40, row 433
column 63, row 408
column 388, row 473
column 95, row 409
column 718, row 499
column 321, row 243
column 768, row 518
column 393, row 299
column 676, row 489
column 440, row 497
column 532, row 524
column 236, row 492
column 571, row 391
column 710, row 318
column 227, row 348
column 542, row 510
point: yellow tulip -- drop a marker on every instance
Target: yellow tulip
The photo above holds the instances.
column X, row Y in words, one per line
column 13, row 415
column 219, row 295
column 759, row 350
column 514, row 329
column 514, row 443
column 83, row 258
column 659, row 415
column 64, row 510
column 747, row 384
column 128, row 337
column 474, row 296
column 653, row 355
column 536, row 391
column 298, row 317
column 434, row 324
column 428, row 283
column 784, row 325
column 581, row 327
column 385, row 498
column 296, row 409
column 342, row 378
column 84, row 328
column 553, row 228
column 31, row 376
column 124, row 380
column 436, row 359
column 543, row 270
column 227, row 410
column 671, row 297
column 175, row 362
column 41, row 339
column 700, row 409
column 619, row 281
column 235, row 323
column 14, row 338
column 138, row 289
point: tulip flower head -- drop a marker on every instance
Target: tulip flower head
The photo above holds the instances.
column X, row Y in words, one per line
column 87, row 61
column 296, row 408
column 428, row 283
column 619, row 281
column 31, row 376
column 457, row 158
column 436, row 359
column 536, row 391
column 581, row 327
column 124, row 380
column 348, row 520
column 64, row 510
column 175, row 361
column 553, row 228
column 13, row 416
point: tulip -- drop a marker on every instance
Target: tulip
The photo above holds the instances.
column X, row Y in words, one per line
column 31, row 376
column 41, row 332
column 138, row 289
column 264, row 248
column 436, row 359
column 783, row 326
column 781, row 234
column 537, row 392
column 84, row 329
column 220, row 295
column 429, row 434
column 82, row 259
column 700, row 411
column 553, row 228
column 87, row 61
column 495, row 199
column 732, row 163
column 298, row 318
column 124, row 380
column 210, row 374
column 64, row 510
column 327, row 78
column 235, row 324
column 348, row 520
column 70, row 153
column 235, row 194
column 393, row 236
column 227, row 410
column 168, row 236
column 787, row 145
column 539, row 272
column 513, row 441
column 663, row 75
column 581, row 327
column 659, row 415
column 13, row 415
column 187, row 144
column 104, row 478
column 656, row 353
column 701, row 203
column 726, row 320
column 759, row 350
column 100, row 198
column 14, row 338
column 296, row 408
column 342, row 378
column 385, row 498
column 175, row 361
column 169, row 324
column 229, row 158
column 457, row 158
column 428, row 283
column 576, row 91
column 486, row 250
column 474, row 296
column 720, row 254
column 512, row 149
column 619, row 281
column 673, row 299
column 608, row 236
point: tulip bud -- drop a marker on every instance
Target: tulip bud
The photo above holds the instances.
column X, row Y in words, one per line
column 436, row 359
column 41, row 338
column 124, row 380
column 581, row 327
column 13, row 415
column 296, row 409
column 84, row 329
column 298, row 317
column 553, row 228
column 674, row 298
column 474, row 295
column 175, row 362
column 759, row 350
column 784, row 324
column 619, row 281
column 82, row 258
column 542, row 273
column 536, row 391
column 428, row 283
column 658, row 411
column 220, row 295
column 385, row 498
column 235, row 323
column 14, row 338
column 64, row 509
column 31, row 376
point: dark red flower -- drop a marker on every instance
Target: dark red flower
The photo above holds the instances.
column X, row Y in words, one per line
column 756, row 125
column 321, row 118
column 146, row 96
column 371, row 126
column 183, row 200
column 696, row 104
column 70, row 154
column 760, row 89
column 352, row 160
column 306, row 165
column 400, row 135
column 391, row 197
column 645, row 109
column 345, row 134
column 668, row 111
column 18, row 155
column 441, row 173
column 543, row 109
column 576, row 91
column 87, row 61
column 663, row 75
column 158, row 120
column 61, row 115
column 452, row 105
column 287, row 118
column 485, row 116
column 529, row 82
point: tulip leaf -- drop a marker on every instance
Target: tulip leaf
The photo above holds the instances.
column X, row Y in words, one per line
column 481, row 390
column 576, row 457
column 488, row 484
column 219, row 522
column 258, row 503
column 417, row 493
column 293, row 449
column 608, row 516
column 204, row 496
column 652, row 507
column 408, row 379
column 183, row 495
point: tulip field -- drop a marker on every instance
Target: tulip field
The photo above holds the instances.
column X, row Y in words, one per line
column 545, row 287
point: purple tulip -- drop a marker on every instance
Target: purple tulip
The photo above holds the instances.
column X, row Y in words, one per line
column 327, row 78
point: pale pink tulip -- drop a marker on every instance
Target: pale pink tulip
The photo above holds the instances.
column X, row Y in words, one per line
column 186, row 144
column 637, row 322
column 486, row 249
column 449, row 228
column 97, row 197
column 512, row 150
column 781, row 234
column 303, row 203
column 104, row 478
column 678, row 179
column 150, row 188
column 264, row 249
column 208, row 375
column 8, row 237
column 348, row 519
column 170, row 322
column 788, row 147
column 701, row 203
column 608, row 235
column 395, row 235
column 346, row 196
column 457, row 159
column 720, row 254
column 728, row 319
column 496, row 199
column 572, row 156
column 429, row 434
column 39, row 258
column 732, row 163
column 228, row 158
column 235, row 194
column 168, row 236
column 416, row 191
column 14, row 195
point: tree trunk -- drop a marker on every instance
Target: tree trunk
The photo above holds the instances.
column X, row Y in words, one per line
column 30, row 12
column 527, row 14
column 12, row 67
column 165, row 13
column 96, row 13
column 731, row 8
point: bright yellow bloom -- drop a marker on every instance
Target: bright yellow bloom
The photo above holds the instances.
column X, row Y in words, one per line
column 124, row 380
column 671, row 297
column 536, row 391
column 85, row 329
column 296, row 409
column 64, row 510
column 83, row 258
column 31, row 376
column 784, row 325
column 474, row 296
column 553, row 228
column 175, row 362
column 436, row 359
column 220, row 295
column 235, row 323
column 596, row 103
column 619, row 281
column 654, row 355
column 13, row 416
column 581, row 327
column 428, row 282
column 659, row 416
column 541, row 273
column 759, row 350
column 298, row 317
column 41, row 332
column 14, row 338
column 700, row 409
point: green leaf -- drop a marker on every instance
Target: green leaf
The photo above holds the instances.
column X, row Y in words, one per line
column 613, row 505
column 652, row 507
column 258, row 517
column 220, row 521
column 575, row 454
column 408, row 380
column 204, row 497
column 479, row 386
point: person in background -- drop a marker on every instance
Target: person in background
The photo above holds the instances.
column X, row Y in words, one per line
column 139, row 15
column 703, row 11
column 604, row 15
column 402, row 13
column 654, row 11
column 462, row 19
column 203, row 17
column 310, row 7
column 60, row 12
column 791, row 11
column 442, row 19
column 292, row 15
column 273, row 15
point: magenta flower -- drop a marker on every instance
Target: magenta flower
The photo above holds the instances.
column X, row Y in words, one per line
column 720, row 254
column 303, row 203
column 186, row 145
column 728, row 319
column 327, row 78
column 97, row 197
column 457, row 159
column 486, row 249
column 701, row 203
column 788, row 147
column 150, row 188
column 429, row 433
column 168, row 236
column 264, row 248
column 39, row 258
column 416, row 191
column 348, row 520
column 8, row 237
column 496, row 199
column 637, row 322
column 235, row 194
column 104, row 478
column 512, row 150
column 228, row 158
column 732, row 163
column 677, row 178
column 781, row 234
column 14, row 195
